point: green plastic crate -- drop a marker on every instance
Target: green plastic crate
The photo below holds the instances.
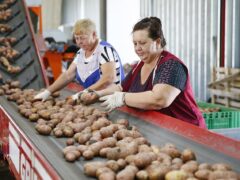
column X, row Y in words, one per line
column 225, row 118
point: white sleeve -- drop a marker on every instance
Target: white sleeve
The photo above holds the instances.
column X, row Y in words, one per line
column 107, row 54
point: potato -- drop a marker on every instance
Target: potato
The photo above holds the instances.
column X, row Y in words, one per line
column 128, row 173
column 124, row 122
column 135, row 134
column 171, row 150
column 68, row 131
column 70, row 156
column 89, row 98
column 142, row 175
column 155, row 149
column 204, row 166
column 106, row 132
column 82, row 148
column 157, row 171
column 109, row 175
column 130, row 148
column 176, row 163
column 144, row 148
column 15, row 84
column 113, row 165
column 53, row 122
column 101, row 122
column 45, row 114
column 113, row 153
column 130, row 159
column 84, row 137
column 43, row 129
column 190, row 167
column 33, row 117
column 109, row 142
column 91, row 168
column 96, row 136
column 70, row 141
column 222, row 174
column 176, row 175
column 58, row 133
column 77, row 153
column 103, row 151
column 96, row 147
column 202, row 174
column 88, row 111
column 144, row 159
column 164, row 159
column 188, row 155
column 121, row 163
column 122, row 133
column 68, row 148
column 221, row 166
column 88, row 154
column 20, row 100
column 41, row 121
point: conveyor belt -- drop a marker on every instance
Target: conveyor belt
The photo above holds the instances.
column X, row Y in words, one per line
column 31, row 75
column 51, row 147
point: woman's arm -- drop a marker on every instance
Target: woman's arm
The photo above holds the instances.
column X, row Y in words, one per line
column 63, row 79
column 161, row 96
column 107, row 77
column 109, row 90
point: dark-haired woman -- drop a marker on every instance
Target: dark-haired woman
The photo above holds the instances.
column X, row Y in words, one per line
column 160, row 81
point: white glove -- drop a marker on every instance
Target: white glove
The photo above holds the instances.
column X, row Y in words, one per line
column 113, row 101
column 43, row 95
column 77, row 95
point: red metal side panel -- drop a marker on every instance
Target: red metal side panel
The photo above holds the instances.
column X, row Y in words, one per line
column 25, row 161
column 74, row 87
column 35, row 43
column 212, row 140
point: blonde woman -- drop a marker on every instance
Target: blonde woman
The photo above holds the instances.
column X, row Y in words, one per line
column 96, row 65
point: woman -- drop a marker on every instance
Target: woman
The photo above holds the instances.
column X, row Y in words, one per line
column 96, row 65
column 160, row 81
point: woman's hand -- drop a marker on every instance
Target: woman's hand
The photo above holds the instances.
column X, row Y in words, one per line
column 113, row 101
column 43, row 95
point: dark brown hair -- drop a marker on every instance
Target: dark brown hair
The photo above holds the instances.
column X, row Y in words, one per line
column 153, row 26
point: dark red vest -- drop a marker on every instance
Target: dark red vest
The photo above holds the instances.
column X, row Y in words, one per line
column 184, row 107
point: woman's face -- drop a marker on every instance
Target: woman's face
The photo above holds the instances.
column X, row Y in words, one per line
column 85, row 40
column 144, row 46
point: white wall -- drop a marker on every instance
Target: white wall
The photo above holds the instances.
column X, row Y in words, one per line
column 121, row 17
column 77, row 9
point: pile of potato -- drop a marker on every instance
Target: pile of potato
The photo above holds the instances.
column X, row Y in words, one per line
column 129, row 155
column 7, row 41
column 9, row 67
column 5, row 14
column 7, row 53
column 208, row 110
column 5, row 28
column 5, row 4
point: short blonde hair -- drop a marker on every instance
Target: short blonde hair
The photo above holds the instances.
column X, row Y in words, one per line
column 83, row 26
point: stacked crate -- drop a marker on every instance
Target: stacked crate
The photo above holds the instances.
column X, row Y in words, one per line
column 222, row 120
column 218, row 117
column 225, row 87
